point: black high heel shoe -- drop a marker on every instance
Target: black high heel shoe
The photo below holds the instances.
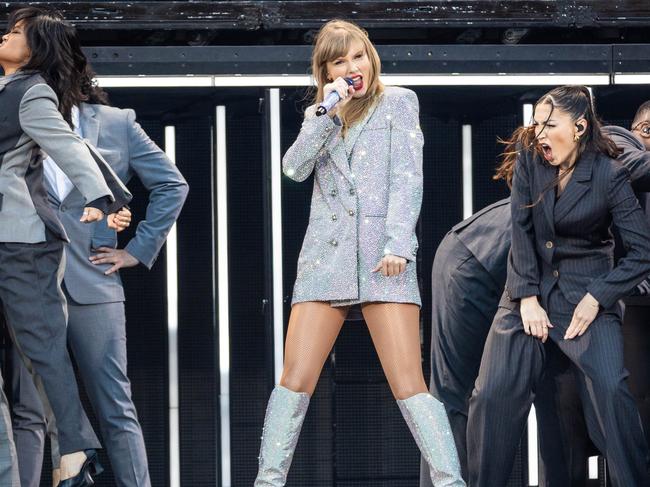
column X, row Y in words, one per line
column 89, row 468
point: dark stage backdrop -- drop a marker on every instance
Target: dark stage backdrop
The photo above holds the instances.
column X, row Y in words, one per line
column 354, row 435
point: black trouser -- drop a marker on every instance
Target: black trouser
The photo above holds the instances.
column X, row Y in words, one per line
column 30, row 278
column 512, row 368
column 464, row 301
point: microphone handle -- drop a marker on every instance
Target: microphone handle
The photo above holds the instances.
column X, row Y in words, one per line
column 331, row 100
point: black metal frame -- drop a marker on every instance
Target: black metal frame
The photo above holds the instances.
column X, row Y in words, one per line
column 429, row 59
column 301, row 14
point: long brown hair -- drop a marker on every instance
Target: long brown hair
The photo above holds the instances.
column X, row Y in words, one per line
column 56, row 54
column 333, row 41
column 577, row 102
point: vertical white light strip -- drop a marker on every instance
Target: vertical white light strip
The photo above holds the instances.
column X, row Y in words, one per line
column 528, row 114
column 276, row 229
column 223, row 296
column 172, row 333
column 467, row 172
column 533, row 450
column 593, row 468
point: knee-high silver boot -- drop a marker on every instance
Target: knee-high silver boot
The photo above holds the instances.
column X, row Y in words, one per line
column 285, row 413
column 429, row 425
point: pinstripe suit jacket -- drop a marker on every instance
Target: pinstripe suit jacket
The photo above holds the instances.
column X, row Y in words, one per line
column 568, row 242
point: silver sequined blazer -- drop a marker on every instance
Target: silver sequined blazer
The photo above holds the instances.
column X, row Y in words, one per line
column 365, row 203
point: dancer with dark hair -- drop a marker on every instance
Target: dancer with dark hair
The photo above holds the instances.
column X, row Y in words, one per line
column 94, row 292
column 562, row 284
column 468, row 278
column 37, row 56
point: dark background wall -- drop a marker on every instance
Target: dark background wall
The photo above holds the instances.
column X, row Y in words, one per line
column 354, row 435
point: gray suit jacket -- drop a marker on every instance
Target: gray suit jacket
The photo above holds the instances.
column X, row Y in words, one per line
column 129, row 151
column 29, row 124
column 365, row 203
column 569, row 243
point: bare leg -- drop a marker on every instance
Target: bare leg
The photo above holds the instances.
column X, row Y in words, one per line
column 313, row 328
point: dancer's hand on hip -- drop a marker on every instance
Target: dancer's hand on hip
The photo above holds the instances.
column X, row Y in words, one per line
column 534, row 318
column 584, row 314
column 391, row 265
column 120, row 258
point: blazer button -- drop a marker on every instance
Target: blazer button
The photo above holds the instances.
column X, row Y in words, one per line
column 334, row 218
column 333, row 192
column 549, row 245
column 351, row 212
column 334, row 242
column 556, row 273
column 63, row 208
column 352, row 192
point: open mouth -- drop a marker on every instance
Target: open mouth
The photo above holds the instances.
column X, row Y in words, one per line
column 357, row 82
column 547, row 151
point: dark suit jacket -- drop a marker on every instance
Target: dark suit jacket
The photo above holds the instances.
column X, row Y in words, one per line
column 637, row 159
column 487, row 236
column 569, row 242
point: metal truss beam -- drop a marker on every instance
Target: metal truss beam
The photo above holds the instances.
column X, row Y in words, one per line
column 432, row 59
column 307, row 14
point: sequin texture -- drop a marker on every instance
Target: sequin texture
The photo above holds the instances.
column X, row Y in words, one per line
column 365, row 202
column 285, row 413
column 427, row 419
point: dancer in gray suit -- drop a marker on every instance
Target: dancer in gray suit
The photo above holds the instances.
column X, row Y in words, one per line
column 36, row 56
column 562, row 285
column 96, row 322
column 360, row 245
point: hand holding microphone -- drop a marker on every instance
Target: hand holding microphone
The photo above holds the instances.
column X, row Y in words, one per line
column 336, row 94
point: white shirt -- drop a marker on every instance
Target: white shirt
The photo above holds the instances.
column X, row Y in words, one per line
column 57, row 179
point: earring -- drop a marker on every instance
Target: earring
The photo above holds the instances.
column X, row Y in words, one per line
column 576, row 138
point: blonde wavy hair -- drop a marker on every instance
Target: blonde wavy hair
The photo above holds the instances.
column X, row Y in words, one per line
column 333, row 41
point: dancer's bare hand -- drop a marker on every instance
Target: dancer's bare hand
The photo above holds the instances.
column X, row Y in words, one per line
column 534, row 318
column 120, row 258
column 583, row 316
column 91, row 214
column 121, row 220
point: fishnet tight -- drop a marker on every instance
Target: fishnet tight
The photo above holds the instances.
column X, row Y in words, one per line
column 395, row 332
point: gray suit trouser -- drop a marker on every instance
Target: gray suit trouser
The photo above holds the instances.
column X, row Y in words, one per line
column 30, row 277
column 8, row 461
column 512, row 367
column 97, row 337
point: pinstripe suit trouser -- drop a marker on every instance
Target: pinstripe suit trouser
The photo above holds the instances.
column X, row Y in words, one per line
column 511, row 369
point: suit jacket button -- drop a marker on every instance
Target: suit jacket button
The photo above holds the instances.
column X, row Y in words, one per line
column 334, row 218
column 351, row 212
column 549, row 245
column 352, row 192
column 63, row 208
column 334, row 242
column 333, row 192
column 556, row 273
